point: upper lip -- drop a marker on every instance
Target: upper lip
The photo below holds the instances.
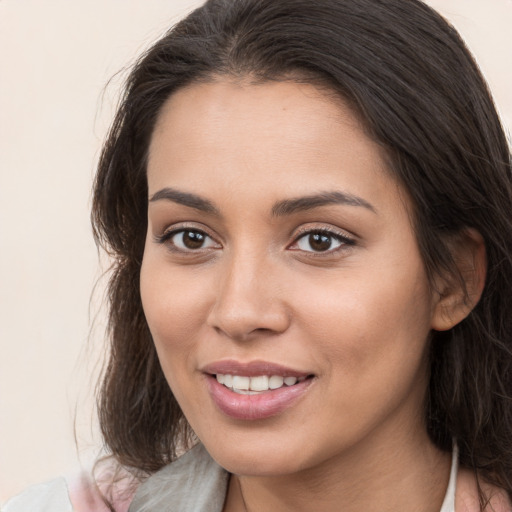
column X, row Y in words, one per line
column 251, row 369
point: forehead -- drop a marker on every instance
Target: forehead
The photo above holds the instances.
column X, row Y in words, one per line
column 219, row 96
column 285, row 138
column 221, row 113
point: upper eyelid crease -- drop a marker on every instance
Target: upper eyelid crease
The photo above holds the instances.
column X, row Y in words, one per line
column 345, row 238
column 182, row 228
column 168, row 234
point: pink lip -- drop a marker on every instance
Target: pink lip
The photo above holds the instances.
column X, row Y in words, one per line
column 254, row 407
column 251, row 369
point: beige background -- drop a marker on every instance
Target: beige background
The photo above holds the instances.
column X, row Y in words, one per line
column 56, row 57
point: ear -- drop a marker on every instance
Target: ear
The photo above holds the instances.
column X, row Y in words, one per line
column 455, row 299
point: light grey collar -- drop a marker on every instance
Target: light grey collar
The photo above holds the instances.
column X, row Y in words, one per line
column 192, row 483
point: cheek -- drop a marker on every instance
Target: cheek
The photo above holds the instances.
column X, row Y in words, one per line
column 370, row 322
column 174, row 305
column 372, row 343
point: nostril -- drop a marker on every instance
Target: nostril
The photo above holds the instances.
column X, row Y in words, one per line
column 243, row 329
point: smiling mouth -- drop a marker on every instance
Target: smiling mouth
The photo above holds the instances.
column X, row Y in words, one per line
column 255, row 390
column 256, row 385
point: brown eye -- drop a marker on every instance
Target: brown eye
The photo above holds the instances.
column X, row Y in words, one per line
column 190, row 240
column 193, row 239
column 319, row 242
column 322, row 241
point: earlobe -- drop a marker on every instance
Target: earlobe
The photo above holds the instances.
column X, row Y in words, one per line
column 457, row 295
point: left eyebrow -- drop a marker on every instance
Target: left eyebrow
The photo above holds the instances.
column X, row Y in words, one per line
column 300, row 204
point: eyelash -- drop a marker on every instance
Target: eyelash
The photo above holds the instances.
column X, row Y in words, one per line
column 167, row 236
column 344, row 240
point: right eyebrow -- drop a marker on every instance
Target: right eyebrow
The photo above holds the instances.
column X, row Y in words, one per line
column 186, row 199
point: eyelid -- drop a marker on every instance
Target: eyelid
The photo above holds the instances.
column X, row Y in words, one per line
column 174, row 229
column 346, row 238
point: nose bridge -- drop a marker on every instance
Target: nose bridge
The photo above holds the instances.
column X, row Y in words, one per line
column 248, row 298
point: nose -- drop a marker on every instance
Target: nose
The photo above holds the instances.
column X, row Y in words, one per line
column 249, row 300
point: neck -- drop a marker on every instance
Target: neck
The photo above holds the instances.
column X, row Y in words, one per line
column 407, row 477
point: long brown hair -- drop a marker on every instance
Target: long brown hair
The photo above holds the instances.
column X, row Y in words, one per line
column 408, row 75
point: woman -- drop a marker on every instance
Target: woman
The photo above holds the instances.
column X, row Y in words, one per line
column 308, row 206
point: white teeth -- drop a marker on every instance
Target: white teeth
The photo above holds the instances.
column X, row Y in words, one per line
column 259, row 383
column 254, row 385
column 241, row 382
column 275, row 382
column 290, row 381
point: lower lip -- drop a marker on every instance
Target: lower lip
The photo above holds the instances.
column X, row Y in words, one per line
column 255, row 407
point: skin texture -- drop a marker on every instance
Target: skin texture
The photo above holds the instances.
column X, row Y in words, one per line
column 357, row 316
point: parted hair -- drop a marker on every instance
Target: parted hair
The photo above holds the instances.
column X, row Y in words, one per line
column 407, row 74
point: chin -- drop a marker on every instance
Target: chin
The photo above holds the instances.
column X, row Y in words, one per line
column 259, row 456
column 258, row 465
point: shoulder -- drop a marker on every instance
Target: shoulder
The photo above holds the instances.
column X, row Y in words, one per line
column 51, row 496
column 466, row 498
column 79, row 493
column 111, row 484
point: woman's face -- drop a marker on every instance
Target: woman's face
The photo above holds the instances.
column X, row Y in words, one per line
column 280, row 257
